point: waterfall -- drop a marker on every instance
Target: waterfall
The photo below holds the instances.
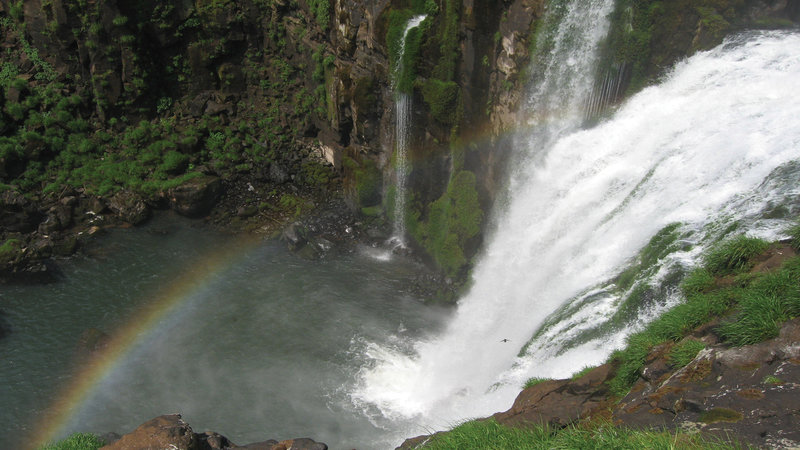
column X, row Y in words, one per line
column 712, row 147
column 403, row 104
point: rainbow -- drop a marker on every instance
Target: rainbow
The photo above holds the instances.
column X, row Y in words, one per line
column 58, row 416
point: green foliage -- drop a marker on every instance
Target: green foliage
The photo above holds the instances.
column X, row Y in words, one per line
column 404, row 64
column 734, row 255
column 684, row 352
column 442, row 98
column 9, row 250
column 321, row 11
column 368, row 182
column 488, row 434
column 453, row 220
column 77, row 441
column 769, row 300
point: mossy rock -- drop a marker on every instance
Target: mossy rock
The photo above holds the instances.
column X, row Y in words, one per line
column 442, row 99
column 715, row 415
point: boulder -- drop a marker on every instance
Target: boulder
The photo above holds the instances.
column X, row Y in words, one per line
column 171, row 432
column 17, row 213
column 749, row 392
column 196, row 197
column 168, row 431
column 129, row 207
column 559, row 402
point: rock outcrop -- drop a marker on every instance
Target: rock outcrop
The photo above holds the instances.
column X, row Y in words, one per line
column 749, row 392
column 171, row 432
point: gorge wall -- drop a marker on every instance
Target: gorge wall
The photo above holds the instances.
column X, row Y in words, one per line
column 268, row 107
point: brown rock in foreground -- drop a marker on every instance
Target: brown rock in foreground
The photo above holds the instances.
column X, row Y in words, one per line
column 171, row 432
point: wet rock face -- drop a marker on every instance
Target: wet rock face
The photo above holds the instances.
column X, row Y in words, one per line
column 171, row 432
column 17, row 213
column 749, row 392
column 559, row 402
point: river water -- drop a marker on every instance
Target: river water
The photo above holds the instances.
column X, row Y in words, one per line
column 257, row 343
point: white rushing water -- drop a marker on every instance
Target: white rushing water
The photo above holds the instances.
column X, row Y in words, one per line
column 403, row 104
column 716, row 143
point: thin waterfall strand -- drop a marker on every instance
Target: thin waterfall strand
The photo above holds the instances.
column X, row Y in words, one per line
column 403, row 105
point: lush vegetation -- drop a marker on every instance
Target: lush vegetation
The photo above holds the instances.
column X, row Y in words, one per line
column 759, row 302
column 490, row 434
column 77, row 441
column 453, row 220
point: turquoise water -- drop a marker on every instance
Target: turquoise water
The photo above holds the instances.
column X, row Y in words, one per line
column 267, row 348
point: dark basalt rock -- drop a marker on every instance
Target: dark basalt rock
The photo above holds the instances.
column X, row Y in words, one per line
column 171, row 432
column 17, row 213
column 196, row 196
column 749, row 392
column 129, row 207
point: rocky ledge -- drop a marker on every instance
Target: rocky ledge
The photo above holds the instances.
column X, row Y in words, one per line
column 747, row 393
column 170, row 431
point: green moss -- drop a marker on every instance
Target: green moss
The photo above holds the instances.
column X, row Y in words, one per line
column 442, row 99
column 368, row 182
column 452, row 221
column 9, row 250
column 720, row 415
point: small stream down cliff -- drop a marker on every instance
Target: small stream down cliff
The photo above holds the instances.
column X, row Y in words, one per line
column 402, row 111
column 710, row 149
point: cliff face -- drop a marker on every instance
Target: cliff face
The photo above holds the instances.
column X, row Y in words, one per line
column 294, row 100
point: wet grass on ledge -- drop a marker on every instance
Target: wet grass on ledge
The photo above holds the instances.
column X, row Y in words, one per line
column 488, row 434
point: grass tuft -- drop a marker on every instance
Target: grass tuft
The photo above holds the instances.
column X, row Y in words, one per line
column 534, row 381
column 490, row 434
column 734, row 255
column 684, row 352
column 77, row 441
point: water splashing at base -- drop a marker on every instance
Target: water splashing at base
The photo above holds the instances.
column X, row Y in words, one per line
column 714, row 144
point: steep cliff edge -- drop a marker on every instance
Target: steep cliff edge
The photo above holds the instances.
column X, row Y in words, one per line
column 288, row 103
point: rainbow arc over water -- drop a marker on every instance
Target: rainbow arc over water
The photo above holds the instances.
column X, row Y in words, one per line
column 166, row 304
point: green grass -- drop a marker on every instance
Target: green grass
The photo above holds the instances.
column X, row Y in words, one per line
column 534, row 381
column 733, row 256
column 582, row 372
column 794, row 235
column 488, row 434
column 760, row 303
column 77, row 441
column 684, row 352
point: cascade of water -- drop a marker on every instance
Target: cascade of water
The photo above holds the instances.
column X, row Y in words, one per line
column 715, row 143
column 403, row 104
column 445, row 367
